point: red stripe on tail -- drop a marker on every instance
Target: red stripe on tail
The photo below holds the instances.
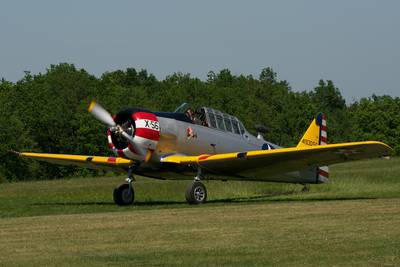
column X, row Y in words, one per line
column 323, row 173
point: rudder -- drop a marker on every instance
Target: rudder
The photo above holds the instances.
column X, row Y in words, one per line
column 316, row 135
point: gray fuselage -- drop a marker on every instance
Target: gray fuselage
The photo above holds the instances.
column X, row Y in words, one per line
column 174, row 139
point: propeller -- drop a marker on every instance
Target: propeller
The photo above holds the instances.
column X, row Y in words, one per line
column 101, row 114
column 104, row 116
column 125, row 131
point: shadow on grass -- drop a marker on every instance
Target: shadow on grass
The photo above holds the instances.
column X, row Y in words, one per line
column 268, row 199
column 253, row 199
column 93, row 203
column 104, row 203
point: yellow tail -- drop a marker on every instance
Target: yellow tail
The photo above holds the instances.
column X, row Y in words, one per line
column 316, row 135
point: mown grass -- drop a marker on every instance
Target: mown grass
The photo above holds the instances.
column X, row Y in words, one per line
column 318, row 233
column 357, row 180
column 353, row 221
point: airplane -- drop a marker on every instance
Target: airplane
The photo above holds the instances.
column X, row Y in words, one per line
column 208, row 144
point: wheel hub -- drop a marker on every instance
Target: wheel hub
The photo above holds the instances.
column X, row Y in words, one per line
column 199, row 193
column 126, row 195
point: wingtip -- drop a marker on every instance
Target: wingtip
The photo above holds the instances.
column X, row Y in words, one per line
column 383, row 144
column 15, row 152
column 91, row 106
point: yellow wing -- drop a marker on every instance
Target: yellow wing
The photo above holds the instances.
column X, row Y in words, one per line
column 93, row 162
column 263, row 163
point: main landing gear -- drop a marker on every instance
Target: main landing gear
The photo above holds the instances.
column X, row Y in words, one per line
column 306, row 188
column 124, row 194
column 196, row 193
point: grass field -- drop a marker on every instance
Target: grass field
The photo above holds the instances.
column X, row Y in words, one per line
column 353, row 221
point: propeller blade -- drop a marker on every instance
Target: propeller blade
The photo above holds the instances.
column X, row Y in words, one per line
column 148, row 155
column 101, row 114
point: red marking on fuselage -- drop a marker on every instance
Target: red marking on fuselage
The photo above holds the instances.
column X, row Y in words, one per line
column 148, row 133
column 144, row 116
column 190, row 133
column 323, row 173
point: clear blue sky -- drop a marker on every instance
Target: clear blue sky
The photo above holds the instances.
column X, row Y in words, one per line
column 354, row 43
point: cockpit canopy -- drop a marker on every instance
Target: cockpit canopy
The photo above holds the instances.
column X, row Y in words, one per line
column 218, row 120
column 212, row 118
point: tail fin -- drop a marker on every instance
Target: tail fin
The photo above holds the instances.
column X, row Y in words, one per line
column 316, row 135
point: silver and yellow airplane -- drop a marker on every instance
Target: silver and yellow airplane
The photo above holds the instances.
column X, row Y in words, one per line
column 209, row 144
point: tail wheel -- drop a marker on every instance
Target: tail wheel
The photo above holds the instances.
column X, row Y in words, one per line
column 196, row 193
column 124, row 195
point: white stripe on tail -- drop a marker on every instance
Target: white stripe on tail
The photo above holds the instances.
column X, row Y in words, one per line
column 323, row 171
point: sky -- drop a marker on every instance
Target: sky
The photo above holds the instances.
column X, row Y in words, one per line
column 356, row 43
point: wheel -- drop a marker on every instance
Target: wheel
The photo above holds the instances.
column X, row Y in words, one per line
column 123, row 195
column 306, row 188
column 196, row 193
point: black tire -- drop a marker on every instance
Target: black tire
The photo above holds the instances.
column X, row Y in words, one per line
column 196, row 193
column 123, row 196
column 306, row 188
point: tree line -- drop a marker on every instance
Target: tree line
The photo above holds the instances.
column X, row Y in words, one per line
column 48, row 112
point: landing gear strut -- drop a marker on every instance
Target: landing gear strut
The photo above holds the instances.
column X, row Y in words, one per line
column 306, row 188
column 196, row 193
column 124, row 194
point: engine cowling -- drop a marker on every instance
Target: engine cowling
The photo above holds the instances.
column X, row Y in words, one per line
column 143, row 128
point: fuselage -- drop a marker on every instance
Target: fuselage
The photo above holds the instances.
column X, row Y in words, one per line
column 210, row 132
column 179, row 135
column 193, row 139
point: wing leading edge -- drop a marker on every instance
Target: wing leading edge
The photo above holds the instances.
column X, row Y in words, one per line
column 93, row 162
column 264, row 163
